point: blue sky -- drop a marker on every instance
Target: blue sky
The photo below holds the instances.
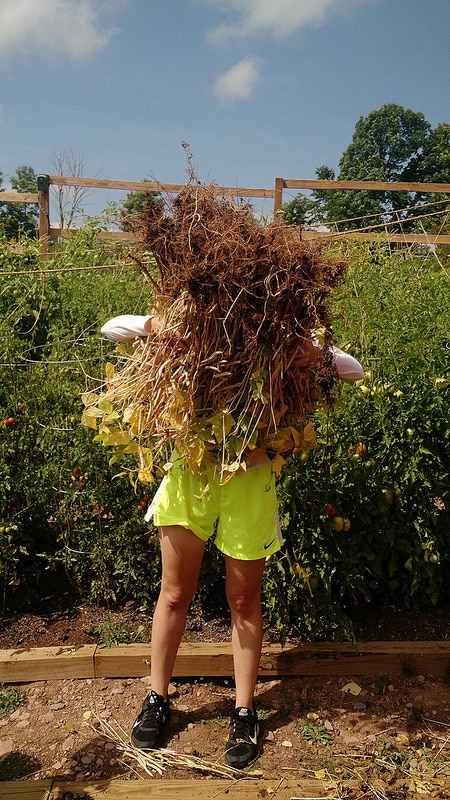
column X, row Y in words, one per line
column 258, row 88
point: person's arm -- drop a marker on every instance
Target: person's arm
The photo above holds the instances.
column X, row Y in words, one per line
column 127, row 327
column 347, row 367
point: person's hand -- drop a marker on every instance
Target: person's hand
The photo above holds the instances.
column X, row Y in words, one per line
column 157, row 325
column 303, row 354
column 154, row 324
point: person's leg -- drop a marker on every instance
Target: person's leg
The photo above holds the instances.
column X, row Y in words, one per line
column 243, row 594
column 181, row 555
column 243, row 584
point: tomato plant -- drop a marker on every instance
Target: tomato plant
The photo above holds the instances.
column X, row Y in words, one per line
column 381, row 467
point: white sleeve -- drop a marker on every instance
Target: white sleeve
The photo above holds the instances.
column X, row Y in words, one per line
column 348, row 368
column 125, row 327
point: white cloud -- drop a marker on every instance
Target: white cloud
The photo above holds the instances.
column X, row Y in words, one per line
column 70, row 28
column 279, row 18
column 239, row 82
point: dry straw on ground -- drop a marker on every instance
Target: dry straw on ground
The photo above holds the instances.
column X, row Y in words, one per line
column 229, row 375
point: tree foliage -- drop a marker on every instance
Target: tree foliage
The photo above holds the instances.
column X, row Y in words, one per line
column 18, row 218
column 133, row 206
column 390, row 144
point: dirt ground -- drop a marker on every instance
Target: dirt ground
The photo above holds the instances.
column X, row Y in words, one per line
column 383, row 726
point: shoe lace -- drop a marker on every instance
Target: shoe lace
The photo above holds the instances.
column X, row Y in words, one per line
column 152, row 713
column 241, row 728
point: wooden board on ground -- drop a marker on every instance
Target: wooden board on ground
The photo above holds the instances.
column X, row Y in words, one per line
column 25, row 790
column 215, row 660
column 47, row 663
column 279, row 788
column 322, row 658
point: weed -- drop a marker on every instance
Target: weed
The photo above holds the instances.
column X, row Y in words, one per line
column 113, row 633
column 312, row 732
column 10, row 699
column 264, row 713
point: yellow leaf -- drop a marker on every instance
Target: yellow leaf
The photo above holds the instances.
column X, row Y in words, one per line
column 110, row 371
column 128, row 413
column 297, row 436
column 93, row 411
column 90, row 398
column 320, row 774
column 221, row 425
column 278, row 464
column 145, row 476
column 117, row 438
column 228, row 470
column 351, row 688
column 309, row 437
column 105, row 406
column 194, row 454
column 87, row 715
column 88, row 421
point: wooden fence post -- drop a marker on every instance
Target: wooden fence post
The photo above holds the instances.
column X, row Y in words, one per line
column 278, row 195
column 43, row 185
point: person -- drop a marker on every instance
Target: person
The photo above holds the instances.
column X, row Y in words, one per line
column 242, row 515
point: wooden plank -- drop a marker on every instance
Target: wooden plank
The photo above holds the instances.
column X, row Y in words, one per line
column 278, row 787
column 153, row 186
column 322, row 658
column 372, row 186
column 403, row 238
column 25, row 790
column 66, row 232
column 47, row 663
column 367, row 658
column 287, row 183
column 18, row 197
column 187, row 789
column 277, row 195
column 123, row 661
column 215, row 660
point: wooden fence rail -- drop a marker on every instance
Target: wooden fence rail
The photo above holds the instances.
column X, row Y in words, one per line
column 47, row 231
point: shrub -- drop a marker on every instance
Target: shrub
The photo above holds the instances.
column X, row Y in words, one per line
column 365, row 518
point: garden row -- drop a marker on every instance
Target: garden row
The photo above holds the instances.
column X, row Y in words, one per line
column 366, row 517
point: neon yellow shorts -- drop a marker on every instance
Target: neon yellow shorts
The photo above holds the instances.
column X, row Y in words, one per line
column 242, row 514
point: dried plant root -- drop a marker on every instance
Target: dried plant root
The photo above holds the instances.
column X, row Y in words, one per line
column 231, row 370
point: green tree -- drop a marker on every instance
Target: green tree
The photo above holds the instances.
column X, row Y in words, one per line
column 433, row 165
column 133, row 206
column 387, row 145
column 17, row 218
column 299, row 211
column 390, row 144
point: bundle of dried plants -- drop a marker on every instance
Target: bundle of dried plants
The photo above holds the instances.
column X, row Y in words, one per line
column 229, row 374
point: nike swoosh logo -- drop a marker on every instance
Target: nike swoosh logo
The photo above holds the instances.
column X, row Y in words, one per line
column 254, row 739
column 268, row 545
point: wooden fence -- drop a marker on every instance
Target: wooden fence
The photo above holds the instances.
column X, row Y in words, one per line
column 47, row 231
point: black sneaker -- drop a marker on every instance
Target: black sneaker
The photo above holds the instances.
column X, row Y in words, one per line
column 242, row 746
column 147, row 730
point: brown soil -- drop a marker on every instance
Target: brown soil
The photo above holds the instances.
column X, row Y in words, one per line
column 394, row 725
